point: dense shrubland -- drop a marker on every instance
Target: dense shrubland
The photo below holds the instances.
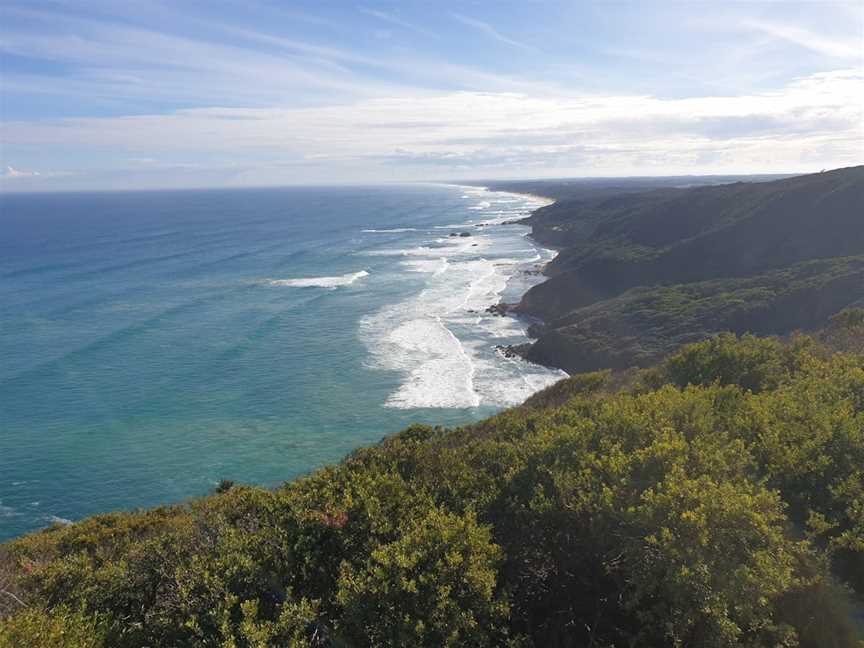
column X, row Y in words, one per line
column 714, row 500
column 645, row 324
column 640, row 273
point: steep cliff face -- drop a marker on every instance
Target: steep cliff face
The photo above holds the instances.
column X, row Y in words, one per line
column 678, row 238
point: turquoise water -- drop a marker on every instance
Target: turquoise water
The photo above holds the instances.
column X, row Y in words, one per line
column 153, row 343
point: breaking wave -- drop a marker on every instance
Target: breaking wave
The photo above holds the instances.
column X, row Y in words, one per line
column 320, row 282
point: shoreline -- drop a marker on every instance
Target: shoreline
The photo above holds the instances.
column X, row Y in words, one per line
column 445, row 335
column 498, row 379
column 507, row 191
column 504, row 309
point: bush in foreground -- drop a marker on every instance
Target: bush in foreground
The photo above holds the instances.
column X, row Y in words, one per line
column 716, row 500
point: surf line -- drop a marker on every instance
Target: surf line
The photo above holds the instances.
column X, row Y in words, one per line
column 469, row 376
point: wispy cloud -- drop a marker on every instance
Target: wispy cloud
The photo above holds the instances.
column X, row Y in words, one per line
column 12, row 172
column 490, row 31
column 834, row 47
column 112, row 61
column 246, row 93
column 27, row 177
column 417, row 134
column 139, row 61
column 395, row 20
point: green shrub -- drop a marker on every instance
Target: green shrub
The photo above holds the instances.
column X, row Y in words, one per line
column 752, row 363
column 434, row 586
column 716, row 500
column 57, row 628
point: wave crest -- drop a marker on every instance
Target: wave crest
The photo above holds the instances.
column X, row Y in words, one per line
column 321, row 282
column 395, row 230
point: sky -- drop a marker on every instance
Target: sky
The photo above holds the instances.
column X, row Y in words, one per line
column 204, row 93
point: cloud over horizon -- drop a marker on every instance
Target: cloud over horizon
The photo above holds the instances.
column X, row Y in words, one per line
column 219, row 102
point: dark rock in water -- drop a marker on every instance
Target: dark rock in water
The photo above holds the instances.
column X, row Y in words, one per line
column 474, row 245
column 499, row 309
column 464, row 234
column 513, row 350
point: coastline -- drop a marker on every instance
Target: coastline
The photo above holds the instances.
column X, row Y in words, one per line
column 444, row 339
column 251, row 411
column 527, row 194
column 509, row 309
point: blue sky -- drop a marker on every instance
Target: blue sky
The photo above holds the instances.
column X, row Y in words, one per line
column 139, row 94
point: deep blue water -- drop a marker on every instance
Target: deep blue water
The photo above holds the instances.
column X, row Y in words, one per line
column 153, row 343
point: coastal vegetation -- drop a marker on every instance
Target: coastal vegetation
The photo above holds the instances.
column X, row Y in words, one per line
column 698, row 481
column 715, row 499
column 641, row 271
column 647, row 323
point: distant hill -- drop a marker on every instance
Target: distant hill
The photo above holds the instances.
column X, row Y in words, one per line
column 586, row 189
column 749, row 234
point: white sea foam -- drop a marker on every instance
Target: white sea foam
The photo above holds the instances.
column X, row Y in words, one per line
column 445, row 375
column 6, row 511
column 321, row 282
column 508, row 381
column 456, row 226
column 420, row 251
column 501, row 327
column 54, row 519
column 415, row 337
column 501, row 217
column 500, row 220
column 395, row 230
column 434, row 266
column 442, row 339
column 444, row 247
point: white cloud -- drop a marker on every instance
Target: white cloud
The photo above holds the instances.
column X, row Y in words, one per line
column 816, row 120
column 298, row 106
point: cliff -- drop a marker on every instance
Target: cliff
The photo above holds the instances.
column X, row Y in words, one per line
column 627, row 257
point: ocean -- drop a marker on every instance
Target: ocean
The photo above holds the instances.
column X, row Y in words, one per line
column 155, row 343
